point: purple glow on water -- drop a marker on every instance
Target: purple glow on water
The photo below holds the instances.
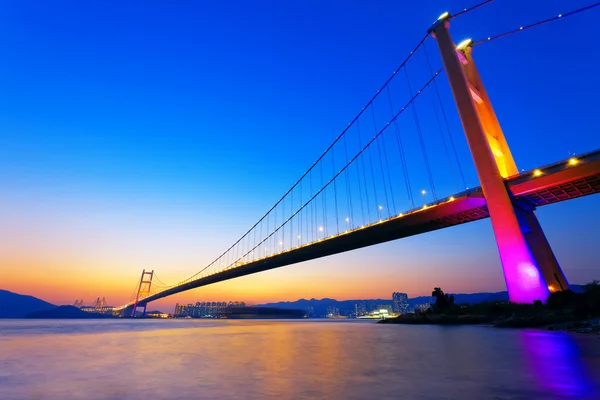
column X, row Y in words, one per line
column 556, row 366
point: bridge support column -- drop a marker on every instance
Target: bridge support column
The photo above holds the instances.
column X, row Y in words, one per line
column 143, row 291
column 530, row 268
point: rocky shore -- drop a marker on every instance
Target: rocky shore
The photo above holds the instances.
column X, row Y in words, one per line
column 563, row 311
column 549, row 322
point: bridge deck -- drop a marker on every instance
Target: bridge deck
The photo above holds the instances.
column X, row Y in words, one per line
column 557, row 182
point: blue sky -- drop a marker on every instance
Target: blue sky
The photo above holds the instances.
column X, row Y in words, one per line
column 153, row 134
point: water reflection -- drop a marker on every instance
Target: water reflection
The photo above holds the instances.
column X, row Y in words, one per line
column 555, row 362
column 258, row 360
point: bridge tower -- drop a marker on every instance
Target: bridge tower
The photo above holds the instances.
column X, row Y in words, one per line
column 143, row 290
column 530, row 268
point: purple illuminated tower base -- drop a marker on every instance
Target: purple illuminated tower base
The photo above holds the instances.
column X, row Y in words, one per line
column 530, row 268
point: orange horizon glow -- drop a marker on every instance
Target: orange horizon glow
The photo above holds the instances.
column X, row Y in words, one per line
column 62, row 281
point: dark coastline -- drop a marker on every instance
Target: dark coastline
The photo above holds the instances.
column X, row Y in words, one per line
column 548, row 322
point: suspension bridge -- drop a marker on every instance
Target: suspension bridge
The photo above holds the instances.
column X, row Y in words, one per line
column 361, row 191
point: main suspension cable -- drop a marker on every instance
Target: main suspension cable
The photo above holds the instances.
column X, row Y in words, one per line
column 467, row 10
column 522, row 28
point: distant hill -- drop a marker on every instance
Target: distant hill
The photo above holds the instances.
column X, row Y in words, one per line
column 65, row 312
column 13, row 305
column 319, row 308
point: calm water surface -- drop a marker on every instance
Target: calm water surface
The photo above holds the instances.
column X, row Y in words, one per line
column 207, row 359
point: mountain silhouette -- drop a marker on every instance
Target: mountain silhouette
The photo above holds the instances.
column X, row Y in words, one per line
column 14, row 305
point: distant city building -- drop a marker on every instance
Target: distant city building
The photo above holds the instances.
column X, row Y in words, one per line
column 400, row 303
column 333, row 312
column 419, row 308
column 310, row 311
column 205, row 309
column 157, row 314
column 360, row 309
column 387, row 307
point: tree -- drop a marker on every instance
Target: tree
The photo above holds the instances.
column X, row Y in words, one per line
column 592, row 286
column 443, row 301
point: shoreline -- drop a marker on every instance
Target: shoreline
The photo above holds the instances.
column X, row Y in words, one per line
column 551, row 323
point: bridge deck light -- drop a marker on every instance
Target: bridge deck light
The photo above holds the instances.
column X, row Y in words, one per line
column 444, row 15
column 451, row 198
column 573, row 161
column 537, row 172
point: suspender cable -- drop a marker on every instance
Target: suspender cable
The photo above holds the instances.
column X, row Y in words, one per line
column 334, row 142
column 387, row 167
column 450, row 136
column 441, row 130
column 324, row 204
column 363, row 149
column 387, row 203
column 420, row 134
column 389, row 176
column 369, row 153
column 300, row 227
column 312, row 207
column 362, row 159
column 348, row 188
column 337, row 219
column 402, row 156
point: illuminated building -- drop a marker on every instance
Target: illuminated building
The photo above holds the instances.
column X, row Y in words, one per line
column 419, row 308
column 400, row 303
column 205, row 309
column 333, row 312
column 360, row 309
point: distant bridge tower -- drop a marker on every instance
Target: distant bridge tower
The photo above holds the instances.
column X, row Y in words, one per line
column 98, row 305
column 530, row 268
column 143, row 290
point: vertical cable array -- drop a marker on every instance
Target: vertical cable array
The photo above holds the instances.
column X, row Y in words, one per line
column 304, row 216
